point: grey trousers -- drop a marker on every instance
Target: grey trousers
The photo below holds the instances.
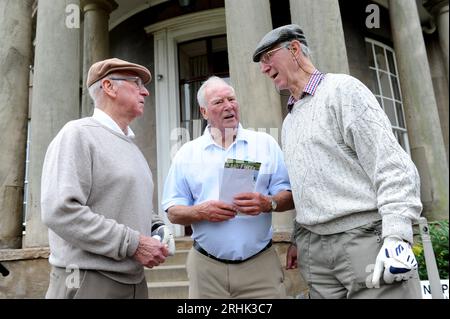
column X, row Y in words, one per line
column 90, row 284
column 341, row 265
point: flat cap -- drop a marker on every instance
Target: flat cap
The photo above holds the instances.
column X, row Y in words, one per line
column 101, row 69
column 278, row 35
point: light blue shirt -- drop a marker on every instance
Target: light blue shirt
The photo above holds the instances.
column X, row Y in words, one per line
column 194, row 177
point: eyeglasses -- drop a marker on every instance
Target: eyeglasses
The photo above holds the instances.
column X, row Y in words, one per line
column 268, row 55
column 137, row 80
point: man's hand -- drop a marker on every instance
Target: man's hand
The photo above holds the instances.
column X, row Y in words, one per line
column 215, row 211
column 165, row 236
column 252, row 203
column 150, row 252
column 291, row 257
column 397, row 259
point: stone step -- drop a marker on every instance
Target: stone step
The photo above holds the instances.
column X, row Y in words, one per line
column 178, row 259
column 168, row 290
column 165, row 273
column 183, row 243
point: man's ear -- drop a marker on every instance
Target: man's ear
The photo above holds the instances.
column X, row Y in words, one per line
column 295, row 47
column 204, row 112
column 108, row 87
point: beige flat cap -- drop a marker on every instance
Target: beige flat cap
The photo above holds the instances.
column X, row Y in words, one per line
column 101, row 69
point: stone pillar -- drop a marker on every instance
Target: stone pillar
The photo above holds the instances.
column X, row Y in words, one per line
column 15, row 59
column 56, row 96
column 95, row 41
column 247, row 22
column 426, row 142
column 260, row 105
column 439, row 10
column 321, row 21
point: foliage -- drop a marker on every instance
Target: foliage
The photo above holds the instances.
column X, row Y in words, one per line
column 439, row 240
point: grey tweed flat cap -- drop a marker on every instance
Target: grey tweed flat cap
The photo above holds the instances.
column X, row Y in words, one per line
column 278, row 35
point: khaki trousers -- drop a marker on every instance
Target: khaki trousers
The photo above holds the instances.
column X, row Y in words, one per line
column 259, row 277
column 91, row 284
column 341, row 265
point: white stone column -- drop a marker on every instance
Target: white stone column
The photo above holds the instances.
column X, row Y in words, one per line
column 15, row 59
column 56, row 97
column 322, row 24
column 443, row 29
column 439, row 10
column 247, row 22
column 95, row 41
column 260, row 105
column 426, row 142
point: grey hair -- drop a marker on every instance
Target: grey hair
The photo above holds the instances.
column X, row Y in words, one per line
column 96, row 89
column 305, row 50
column 202, row 90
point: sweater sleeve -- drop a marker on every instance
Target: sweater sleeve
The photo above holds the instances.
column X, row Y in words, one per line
column 368, row 131
column 65, row 187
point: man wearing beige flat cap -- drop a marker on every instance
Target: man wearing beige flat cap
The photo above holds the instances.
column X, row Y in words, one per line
column 96, row 194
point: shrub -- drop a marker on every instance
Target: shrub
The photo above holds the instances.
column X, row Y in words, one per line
column 439, row 240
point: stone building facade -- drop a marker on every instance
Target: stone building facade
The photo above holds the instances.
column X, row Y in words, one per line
column 398, row 48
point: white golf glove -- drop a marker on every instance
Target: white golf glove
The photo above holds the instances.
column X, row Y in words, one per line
column 165, row 236
column 397, row 259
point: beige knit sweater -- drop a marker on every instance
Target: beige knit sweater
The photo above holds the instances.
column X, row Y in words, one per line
column 96, row 197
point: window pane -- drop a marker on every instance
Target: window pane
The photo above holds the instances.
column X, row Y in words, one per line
column 375, row 89
column 381, row 60
column 389, row 109
column 369, row 53
column 379, row 101
column 390, row 58
column 401, row 120
column 395, row 87
column 219, row 44
column 401, row 138
column 385, row 87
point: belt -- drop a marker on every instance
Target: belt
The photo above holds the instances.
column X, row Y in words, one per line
column 228, row 261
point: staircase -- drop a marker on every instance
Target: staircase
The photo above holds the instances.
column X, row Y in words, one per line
column 169, row 281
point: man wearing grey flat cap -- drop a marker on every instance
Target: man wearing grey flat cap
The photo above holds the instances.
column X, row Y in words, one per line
column 356, row 191
column 96, row 194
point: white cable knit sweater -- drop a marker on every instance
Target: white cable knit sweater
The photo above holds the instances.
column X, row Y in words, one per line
column 345, row 164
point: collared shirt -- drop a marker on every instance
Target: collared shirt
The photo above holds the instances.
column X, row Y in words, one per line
column 106, row 120
column 194, row 177
column 310, row 88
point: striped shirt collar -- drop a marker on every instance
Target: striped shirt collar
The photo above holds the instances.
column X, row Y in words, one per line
column 310, row 88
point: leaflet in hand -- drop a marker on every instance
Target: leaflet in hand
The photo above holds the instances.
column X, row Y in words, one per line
column 238, row 177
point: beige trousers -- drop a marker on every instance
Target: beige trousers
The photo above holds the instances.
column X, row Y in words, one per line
column 91, row 285
column 259, row 277
column 341, row 265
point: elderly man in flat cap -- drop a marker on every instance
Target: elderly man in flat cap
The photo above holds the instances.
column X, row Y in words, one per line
column 96, row 194
column 356, row 191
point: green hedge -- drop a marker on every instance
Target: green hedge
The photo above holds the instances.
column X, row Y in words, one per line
column 439, row 240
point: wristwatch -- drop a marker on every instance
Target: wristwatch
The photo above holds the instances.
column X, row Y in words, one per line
column 273, row 205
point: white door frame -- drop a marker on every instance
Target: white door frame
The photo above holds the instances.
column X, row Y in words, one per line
column 167, row 34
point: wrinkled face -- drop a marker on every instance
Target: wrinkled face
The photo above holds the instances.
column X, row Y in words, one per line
column 223, row 110
column 276, row 63
column 130, row 94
